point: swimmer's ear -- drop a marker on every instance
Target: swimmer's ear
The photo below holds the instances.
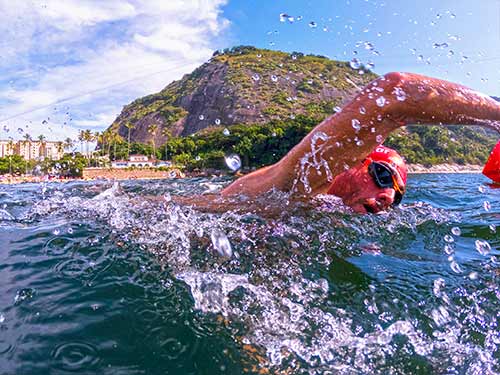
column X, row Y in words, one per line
column 492, row 167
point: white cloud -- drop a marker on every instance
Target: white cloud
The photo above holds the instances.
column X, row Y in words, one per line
column 78, row 62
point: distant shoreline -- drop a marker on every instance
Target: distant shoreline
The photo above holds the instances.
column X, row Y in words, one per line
column 412, row 169
column 444, row 168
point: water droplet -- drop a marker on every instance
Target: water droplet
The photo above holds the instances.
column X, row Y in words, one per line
column 274, row 134
column 455, row 267
column 355, row 63
column 450, row 53
column 233, row 162
column 226, row 132
column 440, row 45
column 356, row 124
column 23, row 295
column 483, row 247
column 379, row 138
column 473, row 275
column 359, row 142
column 2, row 318
column 56, row 232
column 448, row 249
column 221, row 243
column 456, row 231
column 400, row 94
column 167, row 197
column 217, row 121
column 292, row 116
column 487, row 205
column 420, row 57
column 20, row 130
column 449, row 238
column 380, row 101
column 283, row 17
column 255, row 77
column 337, row 109
column 369, row 46
column 313, row 24
column 294, row 57
column 70, row 230
column 481, row 188
column 493, row 228
column 201, row 117
column 259, row 55
column 362, row 110
column 370, row 65
column 274, row 78
column 439, row 283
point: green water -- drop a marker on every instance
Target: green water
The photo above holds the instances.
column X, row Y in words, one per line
column 117, row 283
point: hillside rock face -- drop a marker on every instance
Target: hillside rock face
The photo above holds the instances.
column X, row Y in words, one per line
column 243, row 85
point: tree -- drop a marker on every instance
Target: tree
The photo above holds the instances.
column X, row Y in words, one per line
column 43, row 148
column 166, row 133
column 129, row 126
column 68, row 143
column 153, row 128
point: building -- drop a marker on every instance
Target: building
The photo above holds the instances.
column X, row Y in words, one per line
column 32, row 150
column 137, row 161
column 7, row 148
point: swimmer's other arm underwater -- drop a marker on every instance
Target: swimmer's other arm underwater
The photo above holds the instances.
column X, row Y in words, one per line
column 342, row 155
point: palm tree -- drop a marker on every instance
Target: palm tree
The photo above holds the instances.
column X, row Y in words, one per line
column 101, row 141
column 166, row 133
column 152, row 129
column 10, row 147
column 60, row 147
column 43, row 149
column 68, row 143
column 87, row 137
column 27, row 140
column 81, row 137
column 129, row 126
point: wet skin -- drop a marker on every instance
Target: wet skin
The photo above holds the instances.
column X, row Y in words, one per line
column 427, row 101
column 358, row 191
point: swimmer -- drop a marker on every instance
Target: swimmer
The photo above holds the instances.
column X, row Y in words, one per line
column 343, row 155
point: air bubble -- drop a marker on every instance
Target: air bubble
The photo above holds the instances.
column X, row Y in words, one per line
column 356, row 124
column 221, row 243
column 400, row 94
column 449, row 238
column 217, row 121
column 483, row 247
column 380, row 101
column 355, row 63
column 456, row 231
column 233, row 162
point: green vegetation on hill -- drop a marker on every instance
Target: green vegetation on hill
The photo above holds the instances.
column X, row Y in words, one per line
column 255, row 93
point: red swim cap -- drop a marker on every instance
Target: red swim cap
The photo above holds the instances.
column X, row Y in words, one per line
column 492, row 167
column 392, row 158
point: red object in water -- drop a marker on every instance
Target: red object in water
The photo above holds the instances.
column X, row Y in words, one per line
column 492, row 167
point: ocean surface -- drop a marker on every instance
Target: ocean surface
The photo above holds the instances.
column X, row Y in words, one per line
column 97, row 278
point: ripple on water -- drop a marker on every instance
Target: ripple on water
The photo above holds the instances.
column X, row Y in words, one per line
column 75, row 356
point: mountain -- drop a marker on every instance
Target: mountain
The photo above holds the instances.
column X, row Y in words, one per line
column 244, row 88
column 242, row 85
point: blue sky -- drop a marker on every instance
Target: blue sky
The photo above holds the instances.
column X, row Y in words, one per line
column 68, row 65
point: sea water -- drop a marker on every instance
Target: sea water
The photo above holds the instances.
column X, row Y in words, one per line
column 101, row 278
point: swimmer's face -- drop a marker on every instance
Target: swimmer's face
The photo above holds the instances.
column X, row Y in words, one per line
column 359, row 191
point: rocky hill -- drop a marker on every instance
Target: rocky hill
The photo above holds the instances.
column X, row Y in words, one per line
column 242, row 85
column 255, row 87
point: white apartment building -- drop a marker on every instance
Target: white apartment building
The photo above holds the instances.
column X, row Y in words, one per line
column 7, row 148
column 32, row 150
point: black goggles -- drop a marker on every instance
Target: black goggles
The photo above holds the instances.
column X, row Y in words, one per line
column 385, row 177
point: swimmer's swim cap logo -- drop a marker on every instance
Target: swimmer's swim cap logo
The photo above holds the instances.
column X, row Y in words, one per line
column 391, row 157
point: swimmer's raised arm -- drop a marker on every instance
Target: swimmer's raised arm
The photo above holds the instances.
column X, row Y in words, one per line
column 346, row 138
